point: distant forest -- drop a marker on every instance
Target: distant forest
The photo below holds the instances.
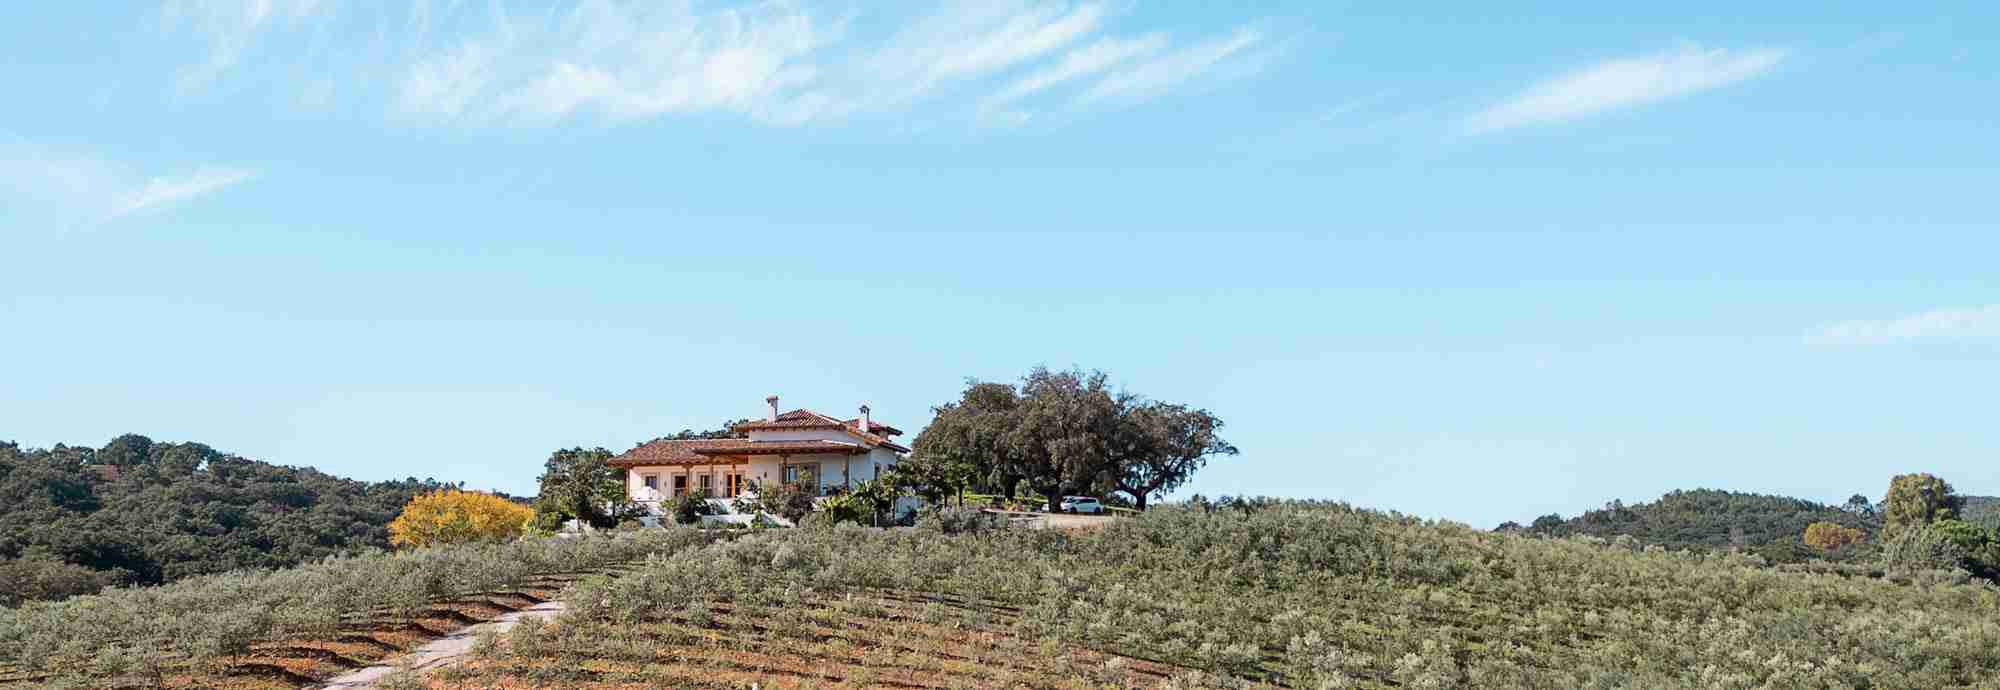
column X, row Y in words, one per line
column 1983, row 511
column 76, row 519
column 1711, row 519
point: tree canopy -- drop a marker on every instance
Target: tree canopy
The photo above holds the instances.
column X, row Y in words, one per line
column 1710, row 519
column 1915, row 500
column 727, row 430
column 581, row 485
column 1061, row 432
column 1160, row 446
column 966, row 444
column 1827, row 536
column 74, row 519
column 451, row 516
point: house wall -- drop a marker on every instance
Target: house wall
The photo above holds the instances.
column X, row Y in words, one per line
column 635, row 479
column 835, row 470
column 880, row 460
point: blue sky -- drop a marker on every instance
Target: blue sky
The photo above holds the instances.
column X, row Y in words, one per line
column 1468, row 262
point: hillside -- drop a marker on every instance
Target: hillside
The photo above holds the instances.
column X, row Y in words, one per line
column 295, row 627
column 1983, row 510
column 75, row 519
column 1293, row 594
column 1710, row 519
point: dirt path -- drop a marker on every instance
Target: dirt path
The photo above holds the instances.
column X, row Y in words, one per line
column 1054, row 520
column 441, row 652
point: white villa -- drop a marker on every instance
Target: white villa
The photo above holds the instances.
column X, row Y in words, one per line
column 796, row 447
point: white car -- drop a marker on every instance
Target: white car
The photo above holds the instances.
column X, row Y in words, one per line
column 1081, row 504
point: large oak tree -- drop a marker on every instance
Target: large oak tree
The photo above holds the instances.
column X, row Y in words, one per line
column 1062, row 432
column 966, row 444
column 1158, row 446
column 1062, row 438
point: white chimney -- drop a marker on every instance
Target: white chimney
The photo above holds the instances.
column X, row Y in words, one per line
column 773, row 400
column 864, row 418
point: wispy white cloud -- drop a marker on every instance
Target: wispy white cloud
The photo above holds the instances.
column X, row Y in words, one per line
column 1624, row 83
column 162, row 191
column 231, row 28
column 90, row 189
column 1968, row 323
column 446, row 85
column 1080, row 63
column 780, row 62
column 973, row 39
column 1147, row 79
column 629, row 62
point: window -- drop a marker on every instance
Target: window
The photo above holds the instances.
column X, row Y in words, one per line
column 707, row 485
column 680, row 485
column 802, row 475
column 651, row 481
column 733, row 482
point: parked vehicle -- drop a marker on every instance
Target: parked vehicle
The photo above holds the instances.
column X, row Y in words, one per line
column 1081, row 504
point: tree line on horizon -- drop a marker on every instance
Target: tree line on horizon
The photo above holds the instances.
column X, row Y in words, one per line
column 76, row 519
column 1921, row 521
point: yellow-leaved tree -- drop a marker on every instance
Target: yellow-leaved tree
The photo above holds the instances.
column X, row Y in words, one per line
column 1828, row 536
column 451, row 516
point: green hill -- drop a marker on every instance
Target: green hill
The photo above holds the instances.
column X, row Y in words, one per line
column 1983, row 510
column 75, row 519
column 1264, row 594
column 1711, row 519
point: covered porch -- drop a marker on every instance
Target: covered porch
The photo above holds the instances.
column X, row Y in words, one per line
column 827, row 467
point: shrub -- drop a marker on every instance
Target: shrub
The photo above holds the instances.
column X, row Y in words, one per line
column 1921, row 548
column 458, row 517
column 689, row 509
column 42, row 579
column 786, row 500
column 848, row 508
column 1979, row 546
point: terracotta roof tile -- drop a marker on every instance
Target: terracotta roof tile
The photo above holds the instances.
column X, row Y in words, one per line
column 877, row 434
column 669, row 452
column 875, row 427
column 742, row 447
column 702, row 451
column 795, row 419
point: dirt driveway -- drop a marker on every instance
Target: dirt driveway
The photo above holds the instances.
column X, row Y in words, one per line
column 1054, row 520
